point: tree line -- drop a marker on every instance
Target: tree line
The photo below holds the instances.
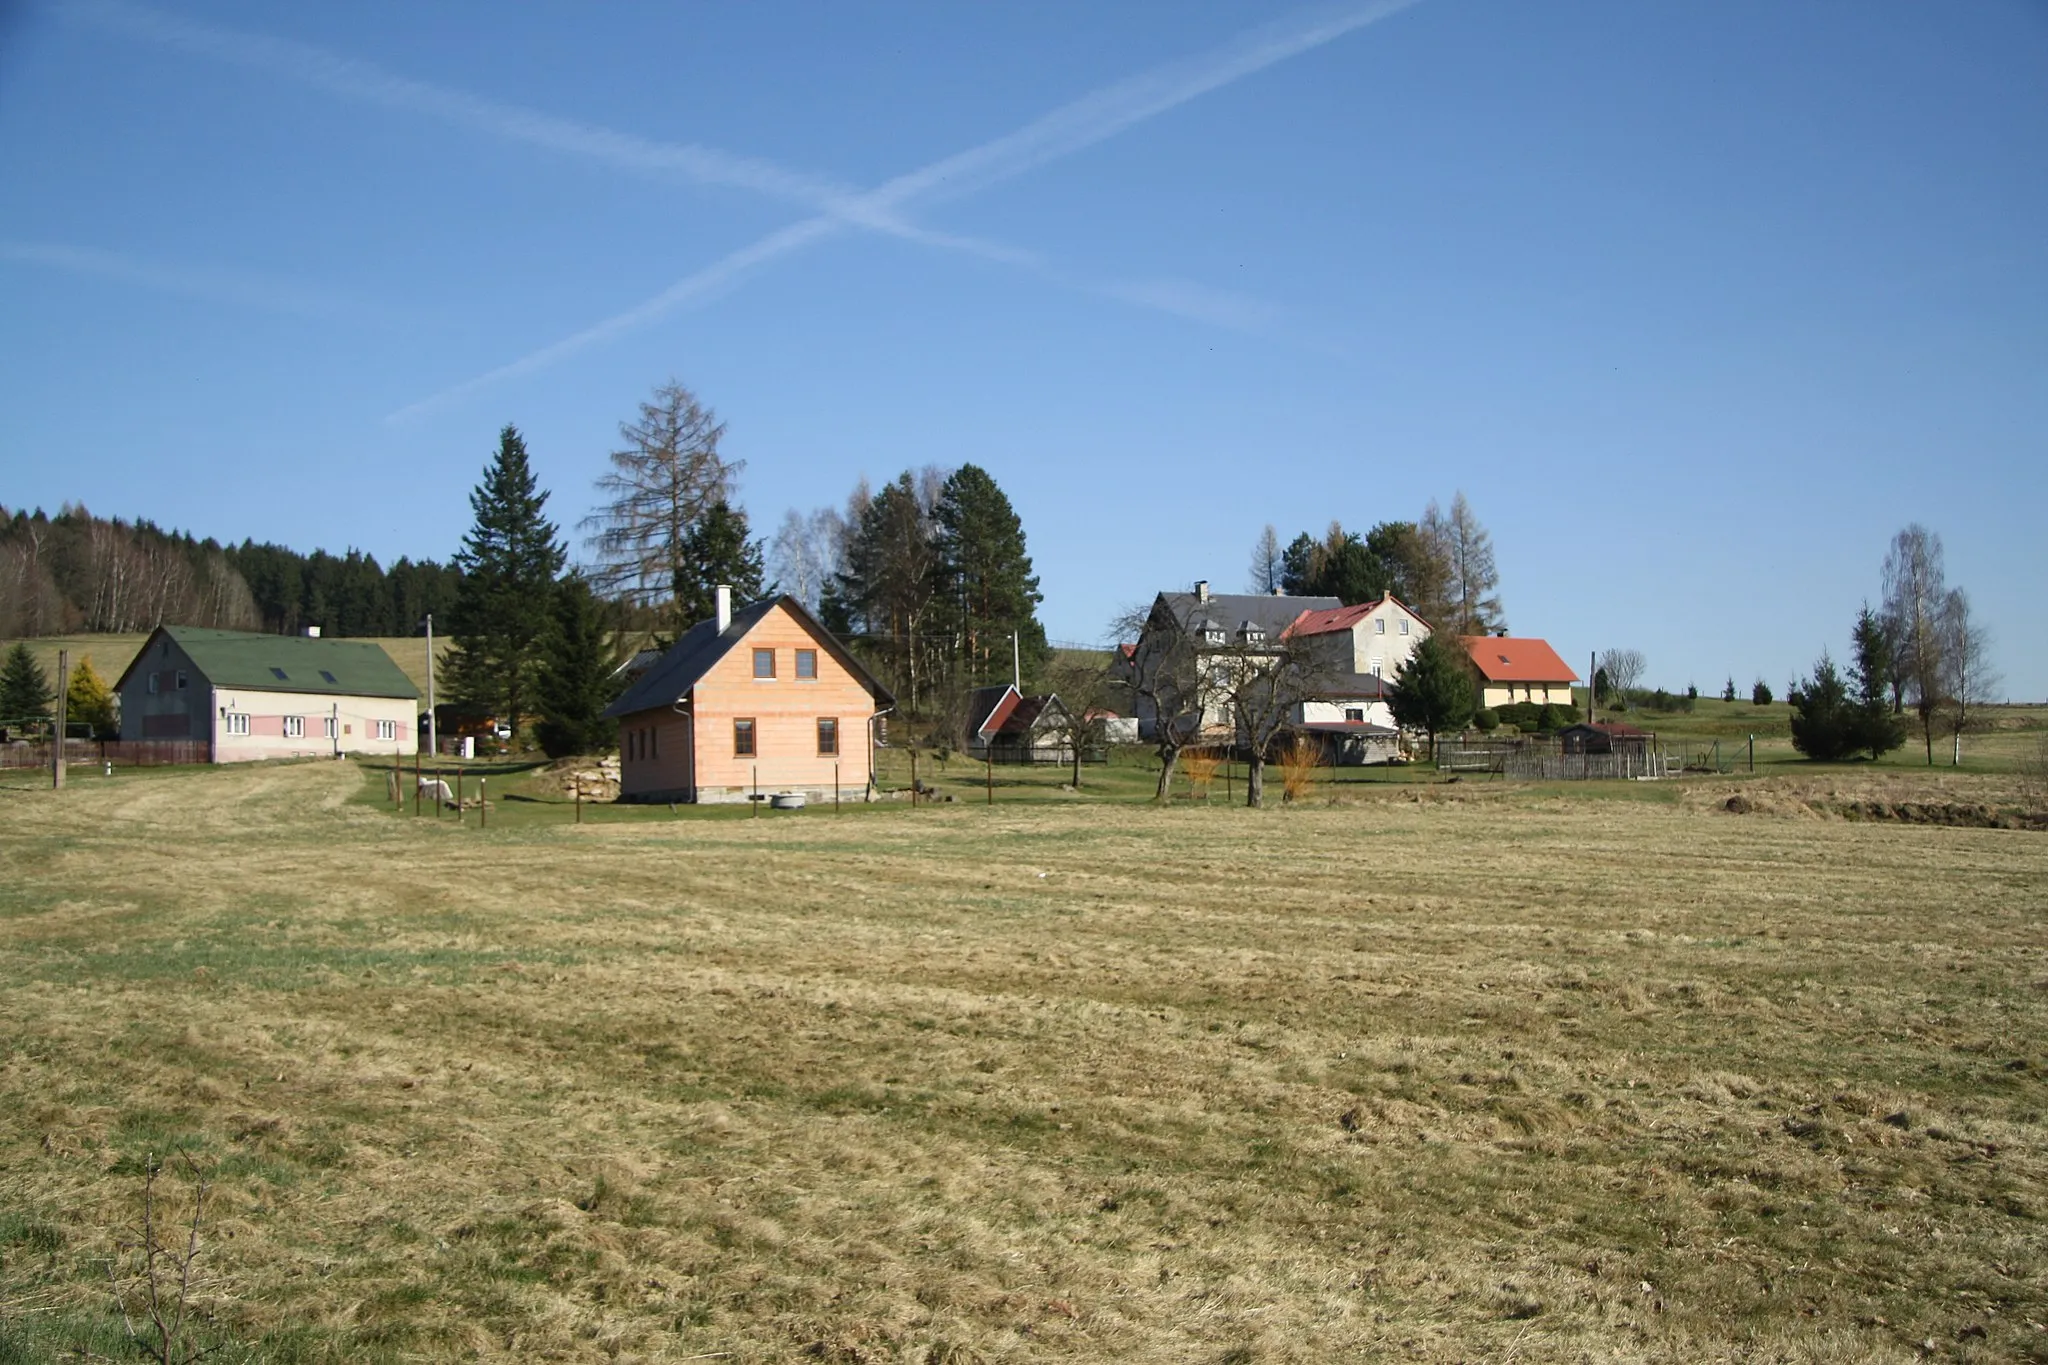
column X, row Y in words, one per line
column 77, row 572
column 928, row 579
column 1441, row 565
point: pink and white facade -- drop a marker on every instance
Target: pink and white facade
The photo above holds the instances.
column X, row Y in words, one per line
column 262, row 696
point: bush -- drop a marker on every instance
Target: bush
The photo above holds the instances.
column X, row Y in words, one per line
column 1760, row 695
column 1486, row 720
column 1660, row 700
column 1547, row 720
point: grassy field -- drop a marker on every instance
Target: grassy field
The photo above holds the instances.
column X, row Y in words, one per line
column 1410, row 1071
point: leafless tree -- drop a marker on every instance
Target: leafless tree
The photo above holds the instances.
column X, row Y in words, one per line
column 1464, row 550
column 1265, row 572
column 1966, row 650
column 807, row 552
column 1082, row 683
column 660, row 486
column 1262, row 682
column 1165, row 674
column 1624, row 669
column 1915, row 596
column 1431, row 570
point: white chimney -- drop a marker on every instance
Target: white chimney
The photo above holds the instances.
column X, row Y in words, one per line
column 724, row 607
column 1201, row 590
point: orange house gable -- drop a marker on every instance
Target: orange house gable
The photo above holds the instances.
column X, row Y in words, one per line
column 759, row 698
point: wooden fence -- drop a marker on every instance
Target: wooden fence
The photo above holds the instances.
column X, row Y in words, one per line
column 122, row 753
column 1544, row 760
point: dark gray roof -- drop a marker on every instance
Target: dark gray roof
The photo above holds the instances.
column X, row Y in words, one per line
column 1353, row 686
column 1229, row 612
column 671, row 676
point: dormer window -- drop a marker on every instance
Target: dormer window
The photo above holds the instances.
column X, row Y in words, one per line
column 1212, row 636
column 1254, row 636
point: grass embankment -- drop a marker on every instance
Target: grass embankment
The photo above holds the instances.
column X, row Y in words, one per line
column 1450, row 1073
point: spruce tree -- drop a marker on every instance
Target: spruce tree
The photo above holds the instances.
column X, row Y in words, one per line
column 1825, row 720
column 1878, row 730
column 89, row 701
column 577, row 678
column 25, row 691
column 1433, row 690
column 716, row 550
column 504, row 607
column 990, row 591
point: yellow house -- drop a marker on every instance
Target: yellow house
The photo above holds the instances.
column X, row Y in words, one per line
column 1518, row 668
column 762, row 699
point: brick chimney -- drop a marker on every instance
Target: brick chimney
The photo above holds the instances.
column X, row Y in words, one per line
column 1201, row 590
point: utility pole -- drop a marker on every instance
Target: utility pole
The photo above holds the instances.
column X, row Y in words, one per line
column 433, row 737
column 63, row 718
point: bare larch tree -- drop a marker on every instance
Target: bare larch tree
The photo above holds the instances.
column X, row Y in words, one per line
column 660, row 486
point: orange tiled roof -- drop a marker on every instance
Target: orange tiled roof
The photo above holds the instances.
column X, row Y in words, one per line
column 1516, row 659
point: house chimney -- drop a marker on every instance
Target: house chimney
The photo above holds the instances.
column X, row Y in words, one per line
column 724, row 607
column 1201, row 590
column 1279, row 591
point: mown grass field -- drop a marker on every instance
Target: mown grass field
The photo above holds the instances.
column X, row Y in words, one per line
column 1409, row 1071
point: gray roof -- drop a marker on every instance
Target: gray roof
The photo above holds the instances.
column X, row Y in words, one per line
column 1353, row 686
column 1229, row 612
column 672, row 676
column 285, row 663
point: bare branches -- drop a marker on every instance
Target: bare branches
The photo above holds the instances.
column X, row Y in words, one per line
column 1624, row 669
column 660, row 487
column 160, row 1288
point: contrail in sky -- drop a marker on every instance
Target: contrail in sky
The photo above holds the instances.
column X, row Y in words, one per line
column 366, row 83
column 1067, row 129
column 240, row 287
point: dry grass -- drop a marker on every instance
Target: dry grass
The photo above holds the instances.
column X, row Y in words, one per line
column 1199, row 767
column 1497, row 1074
column 1298, row 762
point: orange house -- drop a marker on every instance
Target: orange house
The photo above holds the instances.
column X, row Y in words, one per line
column 759, row 699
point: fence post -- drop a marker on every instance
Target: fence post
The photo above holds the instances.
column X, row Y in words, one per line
column 483, row 803
column 460, row 818
column 63, row 718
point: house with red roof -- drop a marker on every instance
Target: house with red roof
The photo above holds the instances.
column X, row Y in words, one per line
column 1009, row 727
column 1518, row 668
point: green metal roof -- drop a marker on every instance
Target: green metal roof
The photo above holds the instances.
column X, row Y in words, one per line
column 287, row 663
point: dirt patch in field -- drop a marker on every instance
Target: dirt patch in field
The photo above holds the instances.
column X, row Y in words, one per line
column 1959, row 815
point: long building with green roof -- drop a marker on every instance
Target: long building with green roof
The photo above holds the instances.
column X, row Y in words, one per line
column 268, row 696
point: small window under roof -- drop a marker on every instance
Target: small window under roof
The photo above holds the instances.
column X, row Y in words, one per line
column 280, row 675
column 329, row 676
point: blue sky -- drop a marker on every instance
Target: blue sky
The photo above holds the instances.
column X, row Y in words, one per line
column 1698, row 304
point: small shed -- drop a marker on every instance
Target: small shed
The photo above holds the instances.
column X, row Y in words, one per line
column 1010, row 727
column 1605, row 737
column 1353, row 742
